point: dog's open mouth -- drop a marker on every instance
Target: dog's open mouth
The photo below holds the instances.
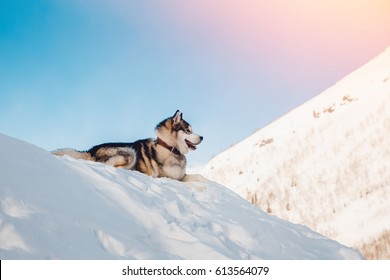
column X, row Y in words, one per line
column 190, row 145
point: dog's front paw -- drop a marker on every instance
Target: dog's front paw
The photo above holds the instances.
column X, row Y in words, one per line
column 195, row 178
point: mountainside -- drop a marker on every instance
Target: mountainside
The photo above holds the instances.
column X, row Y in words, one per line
column 62, row 208
column 325, row 164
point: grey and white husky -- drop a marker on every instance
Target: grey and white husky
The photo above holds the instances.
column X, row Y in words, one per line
column 160, row 157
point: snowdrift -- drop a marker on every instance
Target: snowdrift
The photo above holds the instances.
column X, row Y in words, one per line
column 61, row 208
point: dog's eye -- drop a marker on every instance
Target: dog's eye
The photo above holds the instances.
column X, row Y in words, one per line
column 188, row 130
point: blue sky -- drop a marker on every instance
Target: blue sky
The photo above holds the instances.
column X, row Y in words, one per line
column 79, row 73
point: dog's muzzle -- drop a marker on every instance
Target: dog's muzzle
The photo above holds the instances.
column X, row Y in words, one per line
column 192, row 145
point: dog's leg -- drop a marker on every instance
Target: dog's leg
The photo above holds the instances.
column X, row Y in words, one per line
column 124, row 158
column 194, row 178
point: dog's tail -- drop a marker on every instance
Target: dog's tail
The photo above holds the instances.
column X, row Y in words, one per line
column 73, row 153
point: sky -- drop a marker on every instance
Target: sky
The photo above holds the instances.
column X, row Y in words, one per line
column 79, row 73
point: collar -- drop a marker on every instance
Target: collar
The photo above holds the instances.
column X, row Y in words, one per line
column 170, row 148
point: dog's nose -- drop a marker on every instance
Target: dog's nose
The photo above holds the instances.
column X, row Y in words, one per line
column 201, row 138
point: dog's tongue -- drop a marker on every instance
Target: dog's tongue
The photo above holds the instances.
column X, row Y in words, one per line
column 191, row 145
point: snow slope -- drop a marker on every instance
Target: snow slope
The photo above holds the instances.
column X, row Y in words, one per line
column 325, row 164
column 62, row 208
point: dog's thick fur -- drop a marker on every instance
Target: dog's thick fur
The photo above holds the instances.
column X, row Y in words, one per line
column 160, row 157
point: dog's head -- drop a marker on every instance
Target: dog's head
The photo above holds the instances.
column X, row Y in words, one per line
column 176, row 132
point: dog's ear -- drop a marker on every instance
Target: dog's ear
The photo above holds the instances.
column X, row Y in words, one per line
column 177, row 117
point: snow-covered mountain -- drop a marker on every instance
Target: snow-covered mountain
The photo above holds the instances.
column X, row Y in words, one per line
column 325, row 164
column 62, row 208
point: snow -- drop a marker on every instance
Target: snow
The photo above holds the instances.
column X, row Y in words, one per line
column 62, row 208
column 325, row 164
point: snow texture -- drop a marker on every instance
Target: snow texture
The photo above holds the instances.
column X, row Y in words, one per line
column 325, row 164
column 62, row 208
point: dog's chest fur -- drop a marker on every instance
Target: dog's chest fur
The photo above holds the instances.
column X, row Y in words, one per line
column 170, row 165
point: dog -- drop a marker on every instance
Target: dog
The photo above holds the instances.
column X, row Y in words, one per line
column 160, row 157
